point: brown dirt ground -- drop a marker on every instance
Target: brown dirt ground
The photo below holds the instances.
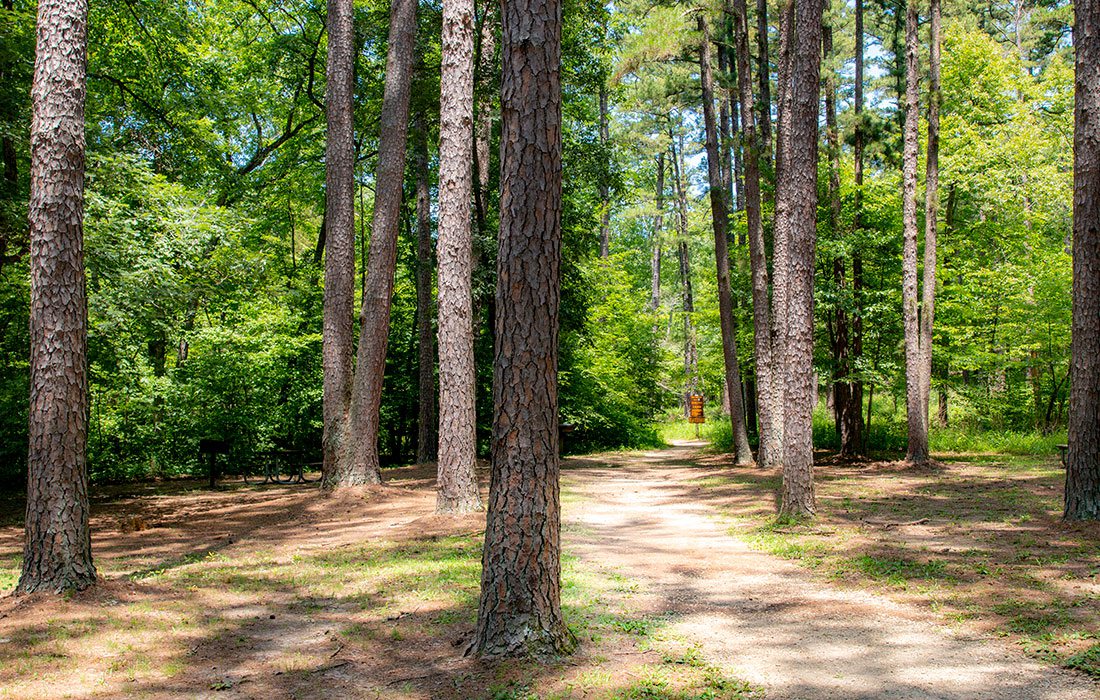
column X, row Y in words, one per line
column 647, row 534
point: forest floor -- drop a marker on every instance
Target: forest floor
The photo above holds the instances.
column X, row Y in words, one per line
column 957, row 581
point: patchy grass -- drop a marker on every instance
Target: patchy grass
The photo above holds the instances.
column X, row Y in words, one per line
column 978, row 540
column 328, row 614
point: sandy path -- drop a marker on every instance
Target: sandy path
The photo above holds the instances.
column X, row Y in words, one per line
column 766, row 618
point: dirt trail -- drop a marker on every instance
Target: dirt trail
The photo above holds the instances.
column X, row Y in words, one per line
column 767, row 619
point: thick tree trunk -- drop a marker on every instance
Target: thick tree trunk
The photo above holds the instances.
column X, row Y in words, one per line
column 427, row 420
column 1083, row 460
column 359, row 463
column 770, row 451
column 798, row 196
column 917, row 419
column 57, row 550
column 605, row 196
column 337, row 236
column 782, row 235
column 742, row 453
column 691, row 358
column 458, row 490
column 931, row 211
column 520, row 607
column 658, row 225
column 852, row 434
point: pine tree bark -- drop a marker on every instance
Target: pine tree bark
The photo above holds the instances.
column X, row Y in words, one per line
column 719, row 206
column 917, row 419
column 931, row 212
column 798, row 195
column 337, row 236
column 57, row 550
column 458, row 489
column 781, row 266
column 769, row 452
column 358, row 463
column 658, row 226
column 1082, row 495
column 520, row 607
column 427, row 418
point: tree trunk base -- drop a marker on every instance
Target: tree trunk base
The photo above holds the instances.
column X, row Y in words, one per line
column 522, row 636
column 458, row 505
column 61, row 579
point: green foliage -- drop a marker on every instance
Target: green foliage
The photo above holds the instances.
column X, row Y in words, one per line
column 189, row 336
column 609, row 378
column 14, row 370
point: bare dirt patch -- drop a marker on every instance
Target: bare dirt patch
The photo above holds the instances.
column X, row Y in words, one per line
column 281, row 592
column 674, row 581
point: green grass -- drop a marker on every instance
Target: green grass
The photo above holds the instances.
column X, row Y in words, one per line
column 9, row 573
column 1005, row 442
column 672, row 681
column 995, row 528
column 1087, row 661
column 897, row 571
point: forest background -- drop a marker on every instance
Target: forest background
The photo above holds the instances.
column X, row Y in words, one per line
column 205, row 226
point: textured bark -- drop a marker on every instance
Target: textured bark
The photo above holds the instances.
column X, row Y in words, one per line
column 1083, row 459
column 853, row 432
column 337, row 235
column 917, row 418
column 605, row 197
column 358, row 462
column 520, row 607
column 764, row 78
column 931, row 211
column 719, row 206
column 426, row 422
column 782, row 235
column 458, row 490
column 57, row 551
column 770, row 452
column 658, row 226
column 691, row 357
column 798, row 195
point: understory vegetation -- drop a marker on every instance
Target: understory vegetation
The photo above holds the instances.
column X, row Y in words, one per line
column 205, row 246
